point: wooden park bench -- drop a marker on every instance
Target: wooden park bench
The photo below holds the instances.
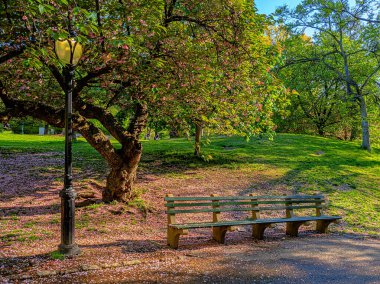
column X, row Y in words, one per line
column 254, row 205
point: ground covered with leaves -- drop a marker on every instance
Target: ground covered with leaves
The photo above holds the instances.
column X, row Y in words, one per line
column 127, row 242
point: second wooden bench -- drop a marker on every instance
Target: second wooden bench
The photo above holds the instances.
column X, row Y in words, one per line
column 253, row 204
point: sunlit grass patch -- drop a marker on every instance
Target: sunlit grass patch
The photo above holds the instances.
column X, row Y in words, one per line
column 349, row 176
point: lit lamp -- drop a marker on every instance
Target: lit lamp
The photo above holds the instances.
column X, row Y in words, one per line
column 68, row 52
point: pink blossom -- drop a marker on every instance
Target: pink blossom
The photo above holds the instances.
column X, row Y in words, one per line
column 24, row 18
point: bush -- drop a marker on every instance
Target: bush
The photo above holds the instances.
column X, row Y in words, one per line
column 25, row 126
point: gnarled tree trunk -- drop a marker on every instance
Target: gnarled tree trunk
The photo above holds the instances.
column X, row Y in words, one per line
column 123, row 174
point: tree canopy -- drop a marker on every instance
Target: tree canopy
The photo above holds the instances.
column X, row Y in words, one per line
column 199, row 61
column 346, row 43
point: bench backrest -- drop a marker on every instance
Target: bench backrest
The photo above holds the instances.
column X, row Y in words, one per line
column 217, row 204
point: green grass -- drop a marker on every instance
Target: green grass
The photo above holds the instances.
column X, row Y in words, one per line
column 57, row 255
column 305, row 164
column 18, row 236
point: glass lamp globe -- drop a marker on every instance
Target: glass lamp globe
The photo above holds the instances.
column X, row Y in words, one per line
column 69, row 51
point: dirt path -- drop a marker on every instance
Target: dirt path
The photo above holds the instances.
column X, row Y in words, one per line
column 307, row 259
column 127, row 244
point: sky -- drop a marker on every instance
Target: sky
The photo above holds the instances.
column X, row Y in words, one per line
column 269, row 6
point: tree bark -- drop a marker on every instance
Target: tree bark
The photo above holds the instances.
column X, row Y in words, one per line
column 121, row 178
column 365, row 125
column 198, row 137
column 46, row 129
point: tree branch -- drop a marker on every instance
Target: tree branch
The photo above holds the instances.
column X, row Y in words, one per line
column 83, row 82
column 104, row 117
column 139, row 120
column 377, row 69
column 12, row 54
column 177, row 18
column 55, row 117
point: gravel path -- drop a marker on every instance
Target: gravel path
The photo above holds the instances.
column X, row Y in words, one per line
column 309, row 258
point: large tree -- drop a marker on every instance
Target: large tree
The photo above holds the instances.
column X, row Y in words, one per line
column 319, row 102
column 349, row 37
column 137, row 54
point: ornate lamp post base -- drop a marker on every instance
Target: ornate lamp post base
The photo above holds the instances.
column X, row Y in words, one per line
column 69, row 250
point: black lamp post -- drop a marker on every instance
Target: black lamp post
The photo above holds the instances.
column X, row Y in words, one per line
column 69, row 52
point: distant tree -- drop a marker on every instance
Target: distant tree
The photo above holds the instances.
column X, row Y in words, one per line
column 348, row 38
column 318, row 95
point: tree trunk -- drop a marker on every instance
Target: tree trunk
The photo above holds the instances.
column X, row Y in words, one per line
column 365, row 126
column 173, row 133
column 354, row 132
column 46, row 129
column 198, row 137
column 122, row 175
column 321, row 130
column 119, row 184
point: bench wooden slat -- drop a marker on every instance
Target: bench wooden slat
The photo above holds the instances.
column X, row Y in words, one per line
column 218, row 204
column 200, row 198
column 251, row 221
column 242, row 203
column 171, row 211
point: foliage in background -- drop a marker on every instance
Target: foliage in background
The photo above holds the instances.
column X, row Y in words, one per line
column 346, row 43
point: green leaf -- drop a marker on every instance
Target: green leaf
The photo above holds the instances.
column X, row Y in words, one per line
column 41, row 8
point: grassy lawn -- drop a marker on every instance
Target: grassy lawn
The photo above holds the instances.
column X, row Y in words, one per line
column 349, row 176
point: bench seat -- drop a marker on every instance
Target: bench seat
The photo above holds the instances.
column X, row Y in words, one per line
column 251, row 222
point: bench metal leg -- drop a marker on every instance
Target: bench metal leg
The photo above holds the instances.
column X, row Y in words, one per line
column 258, row 231
column 292, row 228
column 173, row 236
column 322, row 225
column 219, row 233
